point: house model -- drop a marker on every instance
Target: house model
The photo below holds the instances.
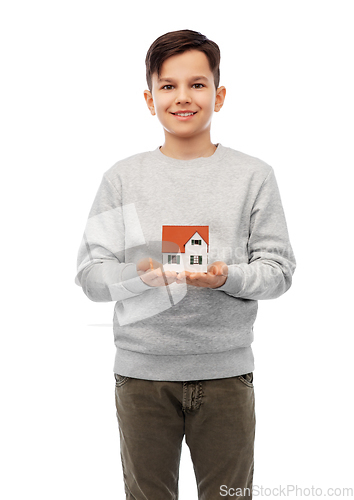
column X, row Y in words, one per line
column 185, row 248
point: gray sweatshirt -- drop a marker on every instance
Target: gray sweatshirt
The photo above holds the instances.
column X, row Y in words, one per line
column 181, row 332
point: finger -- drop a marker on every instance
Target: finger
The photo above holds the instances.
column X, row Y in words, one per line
column 180, row 278
column 156, row 264
column 169, row 277
column 142, row 266
column 196, row 282
column 212, row 270
column 218, row 268
column 197, row 275
column 225, row 270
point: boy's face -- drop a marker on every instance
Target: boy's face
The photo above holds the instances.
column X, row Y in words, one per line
column 178, row 89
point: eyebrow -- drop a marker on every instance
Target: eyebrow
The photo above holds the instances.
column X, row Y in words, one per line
column 201, row 77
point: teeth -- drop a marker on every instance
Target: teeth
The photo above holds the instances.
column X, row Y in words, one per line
column 184, row 114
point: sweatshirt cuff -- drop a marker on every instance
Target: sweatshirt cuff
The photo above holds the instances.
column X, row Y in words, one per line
column 234, row 281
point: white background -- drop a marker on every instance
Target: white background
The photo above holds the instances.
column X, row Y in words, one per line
column 72, row 83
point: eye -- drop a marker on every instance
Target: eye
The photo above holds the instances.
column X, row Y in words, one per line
column 164, row 87
column 201, row 85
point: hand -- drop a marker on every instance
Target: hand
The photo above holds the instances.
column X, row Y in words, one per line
column 215, row 277
column 151, row 272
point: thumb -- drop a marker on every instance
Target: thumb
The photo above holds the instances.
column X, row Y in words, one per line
column 219, row 268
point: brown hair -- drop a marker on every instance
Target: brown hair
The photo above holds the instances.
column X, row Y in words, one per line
column 176, row 42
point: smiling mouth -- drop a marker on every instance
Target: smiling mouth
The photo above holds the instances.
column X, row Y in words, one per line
column 184, row 114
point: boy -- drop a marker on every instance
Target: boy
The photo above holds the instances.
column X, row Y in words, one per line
column 184, row 363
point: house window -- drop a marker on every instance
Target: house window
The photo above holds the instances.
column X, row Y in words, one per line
column 196, row 259
column 173, row 259
column 196, row 242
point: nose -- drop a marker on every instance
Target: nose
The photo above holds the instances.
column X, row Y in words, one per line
column 183, row 95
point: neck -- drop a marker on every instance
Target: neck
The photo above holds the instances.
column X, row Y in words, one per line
column 187, row 149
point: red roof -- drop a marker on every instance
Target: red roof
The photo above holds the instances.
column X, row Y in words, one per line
column 174, row 238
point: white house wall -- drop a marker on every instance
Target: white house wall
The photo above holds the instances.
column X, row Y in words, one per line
column 185, row 257
column 196, row 249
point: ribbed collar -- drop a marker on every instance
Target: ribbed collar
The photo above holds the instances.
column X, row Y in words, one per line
column 195, row 162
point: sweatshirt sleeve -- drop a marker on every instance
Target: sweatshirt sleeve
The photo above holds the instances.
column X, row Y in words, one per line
column 102, row 271
column 271, row 262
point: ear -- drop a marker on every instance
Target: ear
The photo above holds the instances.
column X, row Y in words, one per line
column 149, row 101
column 219, row 98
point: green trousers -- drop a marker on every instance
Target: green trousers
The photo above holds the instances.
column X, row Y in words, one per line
column 217, row 419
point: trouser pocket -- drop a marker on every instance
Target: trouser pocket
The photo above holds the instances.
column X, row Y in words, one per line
column 120, row 380
column 247, row 379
